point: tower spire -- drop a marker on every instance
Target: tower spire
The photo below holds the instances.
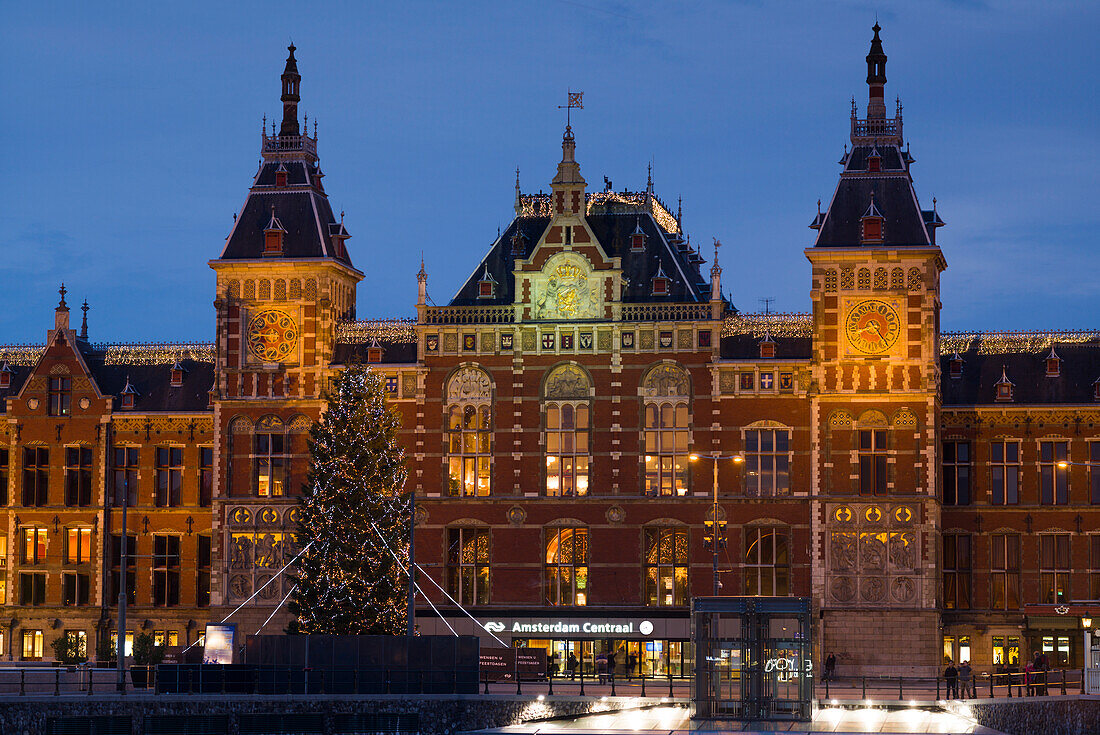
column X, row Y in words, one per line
column 84, row 322
column 519, row 202
column 876, row 77
column 290, row 97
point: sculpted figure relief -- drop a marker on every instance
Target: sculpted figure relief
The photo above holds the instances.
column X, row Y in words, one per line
column 567, row 381
column 469, row 383
column 666, row 380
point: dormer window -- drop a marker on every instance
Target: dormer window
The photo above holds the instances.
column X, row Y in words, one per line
column 374, row 352
column 874, row 161
column 177, row 374
column 281, row 176
column 1003, row 387
column 637, row 238
column 767, row 347
column 487, row 285
column 273, row 235
column 660, row 283
column 519, row 250
column 1096, row 390
column 129, row 394
column 955, row 367
column 872, row 224
column 1054, row 364
column 5, row 375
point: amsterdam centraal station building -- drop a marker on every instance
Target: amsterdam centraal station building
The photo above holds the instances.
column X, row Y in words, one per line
column 935, row 494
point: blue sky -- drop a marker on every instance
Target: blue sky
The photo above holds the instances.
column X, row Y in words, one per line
column 133, row 133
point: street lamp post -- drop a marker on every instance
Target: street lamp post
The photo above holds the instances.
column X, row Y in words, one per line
column 717, row 536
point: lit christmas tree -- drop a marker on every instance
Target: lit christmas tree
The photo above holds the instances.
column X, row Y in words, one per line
column 348, row 582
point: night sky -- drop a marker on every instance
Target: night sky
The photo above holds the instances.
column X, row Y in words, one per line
column 133, row 132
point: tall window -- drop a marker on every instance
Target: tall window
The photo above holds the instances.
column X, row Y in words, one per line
column 1006, row 650
column 126, row 475
column 1004, row 472
column 872, row 462
column 32, row 645
column 116, row 568
column 166, row 638
column 202, row 582
column 666, row 566
column 169, row 476
column 60, row 395
column 1053, row 480
column 78, row 641
column 34, row 545
column 74, row 589
column 206, row 476
column 1004, row 570
column 567, row 566
column 956, row 473
column 468, row 565
column 32, row 588
column 1094, row 567
column 956, row 571
column 767, row 462
column 767, row 562
column 1054, row 568
column 4, row 468
column 78, row 545
column 468, row 450
column 166, row 570
column 270, row 464
column 666, row 448
column 567, row 449
column 36, row 476
column 78, row 476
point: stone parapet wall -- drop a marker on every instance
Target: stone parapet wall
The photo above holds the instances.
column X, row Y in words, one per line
column 1046, row 715
column 881, row 642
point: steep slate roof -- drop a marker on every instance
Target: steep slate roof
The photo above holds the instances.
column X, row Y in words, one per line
column 19, row 375
column 1079, row 369
column 686, row 282
column 306, row 215
column 153, row 383
column 895, row 198
column 393, row 353
column 747, row 347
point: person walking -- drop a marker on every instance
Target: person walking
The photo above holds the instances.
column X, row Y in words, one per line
column 571, row 664
column 631, row 663
column 1029, row 676
column 951, row 674
column 966, row 680
column 611, row 665
column 601, row 668
column 829, row 670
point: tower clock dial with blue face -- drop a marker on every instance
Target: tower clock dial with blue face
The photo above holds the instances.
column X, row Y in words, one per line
column 272, row 336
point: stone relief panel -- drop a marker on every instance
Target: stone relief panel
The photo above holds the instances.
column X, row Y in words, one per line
column 259, row 541
column 666, row 380
column 567, row 381
column 470, row 384
column 566, row 289
column 873, row 554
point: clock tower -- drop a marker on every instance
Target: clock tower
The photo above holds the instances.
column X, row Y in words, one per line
column 875, row 401
column 284, row 280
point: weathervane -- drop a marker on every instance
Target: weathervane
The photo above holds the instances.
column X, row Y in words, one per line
column 576, row 99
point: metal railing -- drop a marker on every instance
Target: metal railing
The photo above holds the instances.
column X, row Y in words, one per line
column 664, row 312
column 469, row 315
column 1060, row 682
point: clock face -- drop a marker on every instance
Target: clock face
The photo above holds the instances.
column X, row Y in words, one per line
column 272, row 336
column 872, row 326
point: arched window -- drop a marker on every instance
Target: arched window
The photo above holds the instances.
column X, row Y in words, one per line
column 666, row 566
column 567, row 566
column 469, row 426
column 269, row 453
column 568, row 422
column 468, row 565
column 767, row 460
column 767, row 562
column 667, row 417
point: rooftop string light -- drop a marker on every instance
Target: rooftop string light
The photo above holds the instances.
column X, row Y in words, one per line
column 365, row 331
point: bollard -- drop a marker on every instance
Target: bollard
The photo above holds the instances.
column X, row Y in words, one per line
column 486, row 685
column 865, row 687
column 1010, row 686
column 937, row 688
column 519, row 683
column 1063, row 682
column 551, row 692
column 57, row 682
column 612, row 683
column 827, row 686
column 582, row 681
column 91, row 681
column 900, row 695
column 991, row 694
column 22, row 681
column 643, row 683
column 670, row 694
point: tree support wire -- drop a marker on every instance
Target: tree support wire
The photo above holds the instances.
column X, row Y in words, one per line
column 471, row 617
column 409, row 572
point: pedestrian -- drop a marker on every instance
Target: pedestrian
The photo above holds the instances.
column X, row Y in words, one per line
column 571, row 664
column 611, row 665
column 829, row 672
column 1029, row 677
column 966, row 680
column 951, row 674
column 631, row 662
column 1042, row 666
column 601, row 668
column 553, row 664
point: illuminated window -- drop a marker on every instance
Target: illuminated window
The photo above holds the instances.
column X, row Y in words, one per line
column 1006, row 650
column 767, row 566
column 202, row 584
column 116, row 568
column 767, row 462
column 78, row 545
column 60, row 395
column 1005, row 571
column 666, row 566
column 74, row 589
column 1004, row 472
column 1053, row 480
column 36, row 476
column 32, row 645
column 872, row 462
column 956, row 571
column 164, row 638
column 1094, row 567
column 32, row 589
column 270, row 465
column 129, row 645
column 567, row 429
column 169, row 475
column 77, row 641
column 1054, row 568
column 469, row 457
column 1057, row 650
column 666, row 448
column 78, row 476
column 34, row 545
column 206, row 476
column 126, row 475
column 468, row 565
column 566, row 566
column 166, row 570
column 956, row 473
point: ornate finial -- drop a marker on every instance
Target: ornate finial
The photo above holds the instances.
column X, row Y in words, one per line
column 679, row 208
column 933, row 205
column 876, row 27
column 576, row 99
column 84, row 323
column 341, row 216
column 819, row 207
column 649, row 177
column 62, row 291
column 305, row 121
column 854, row 112
column 314, row 128
column 263, row 127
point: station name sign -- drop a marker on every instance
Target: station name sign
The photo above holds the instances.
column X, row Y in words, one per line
column 567, row 627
